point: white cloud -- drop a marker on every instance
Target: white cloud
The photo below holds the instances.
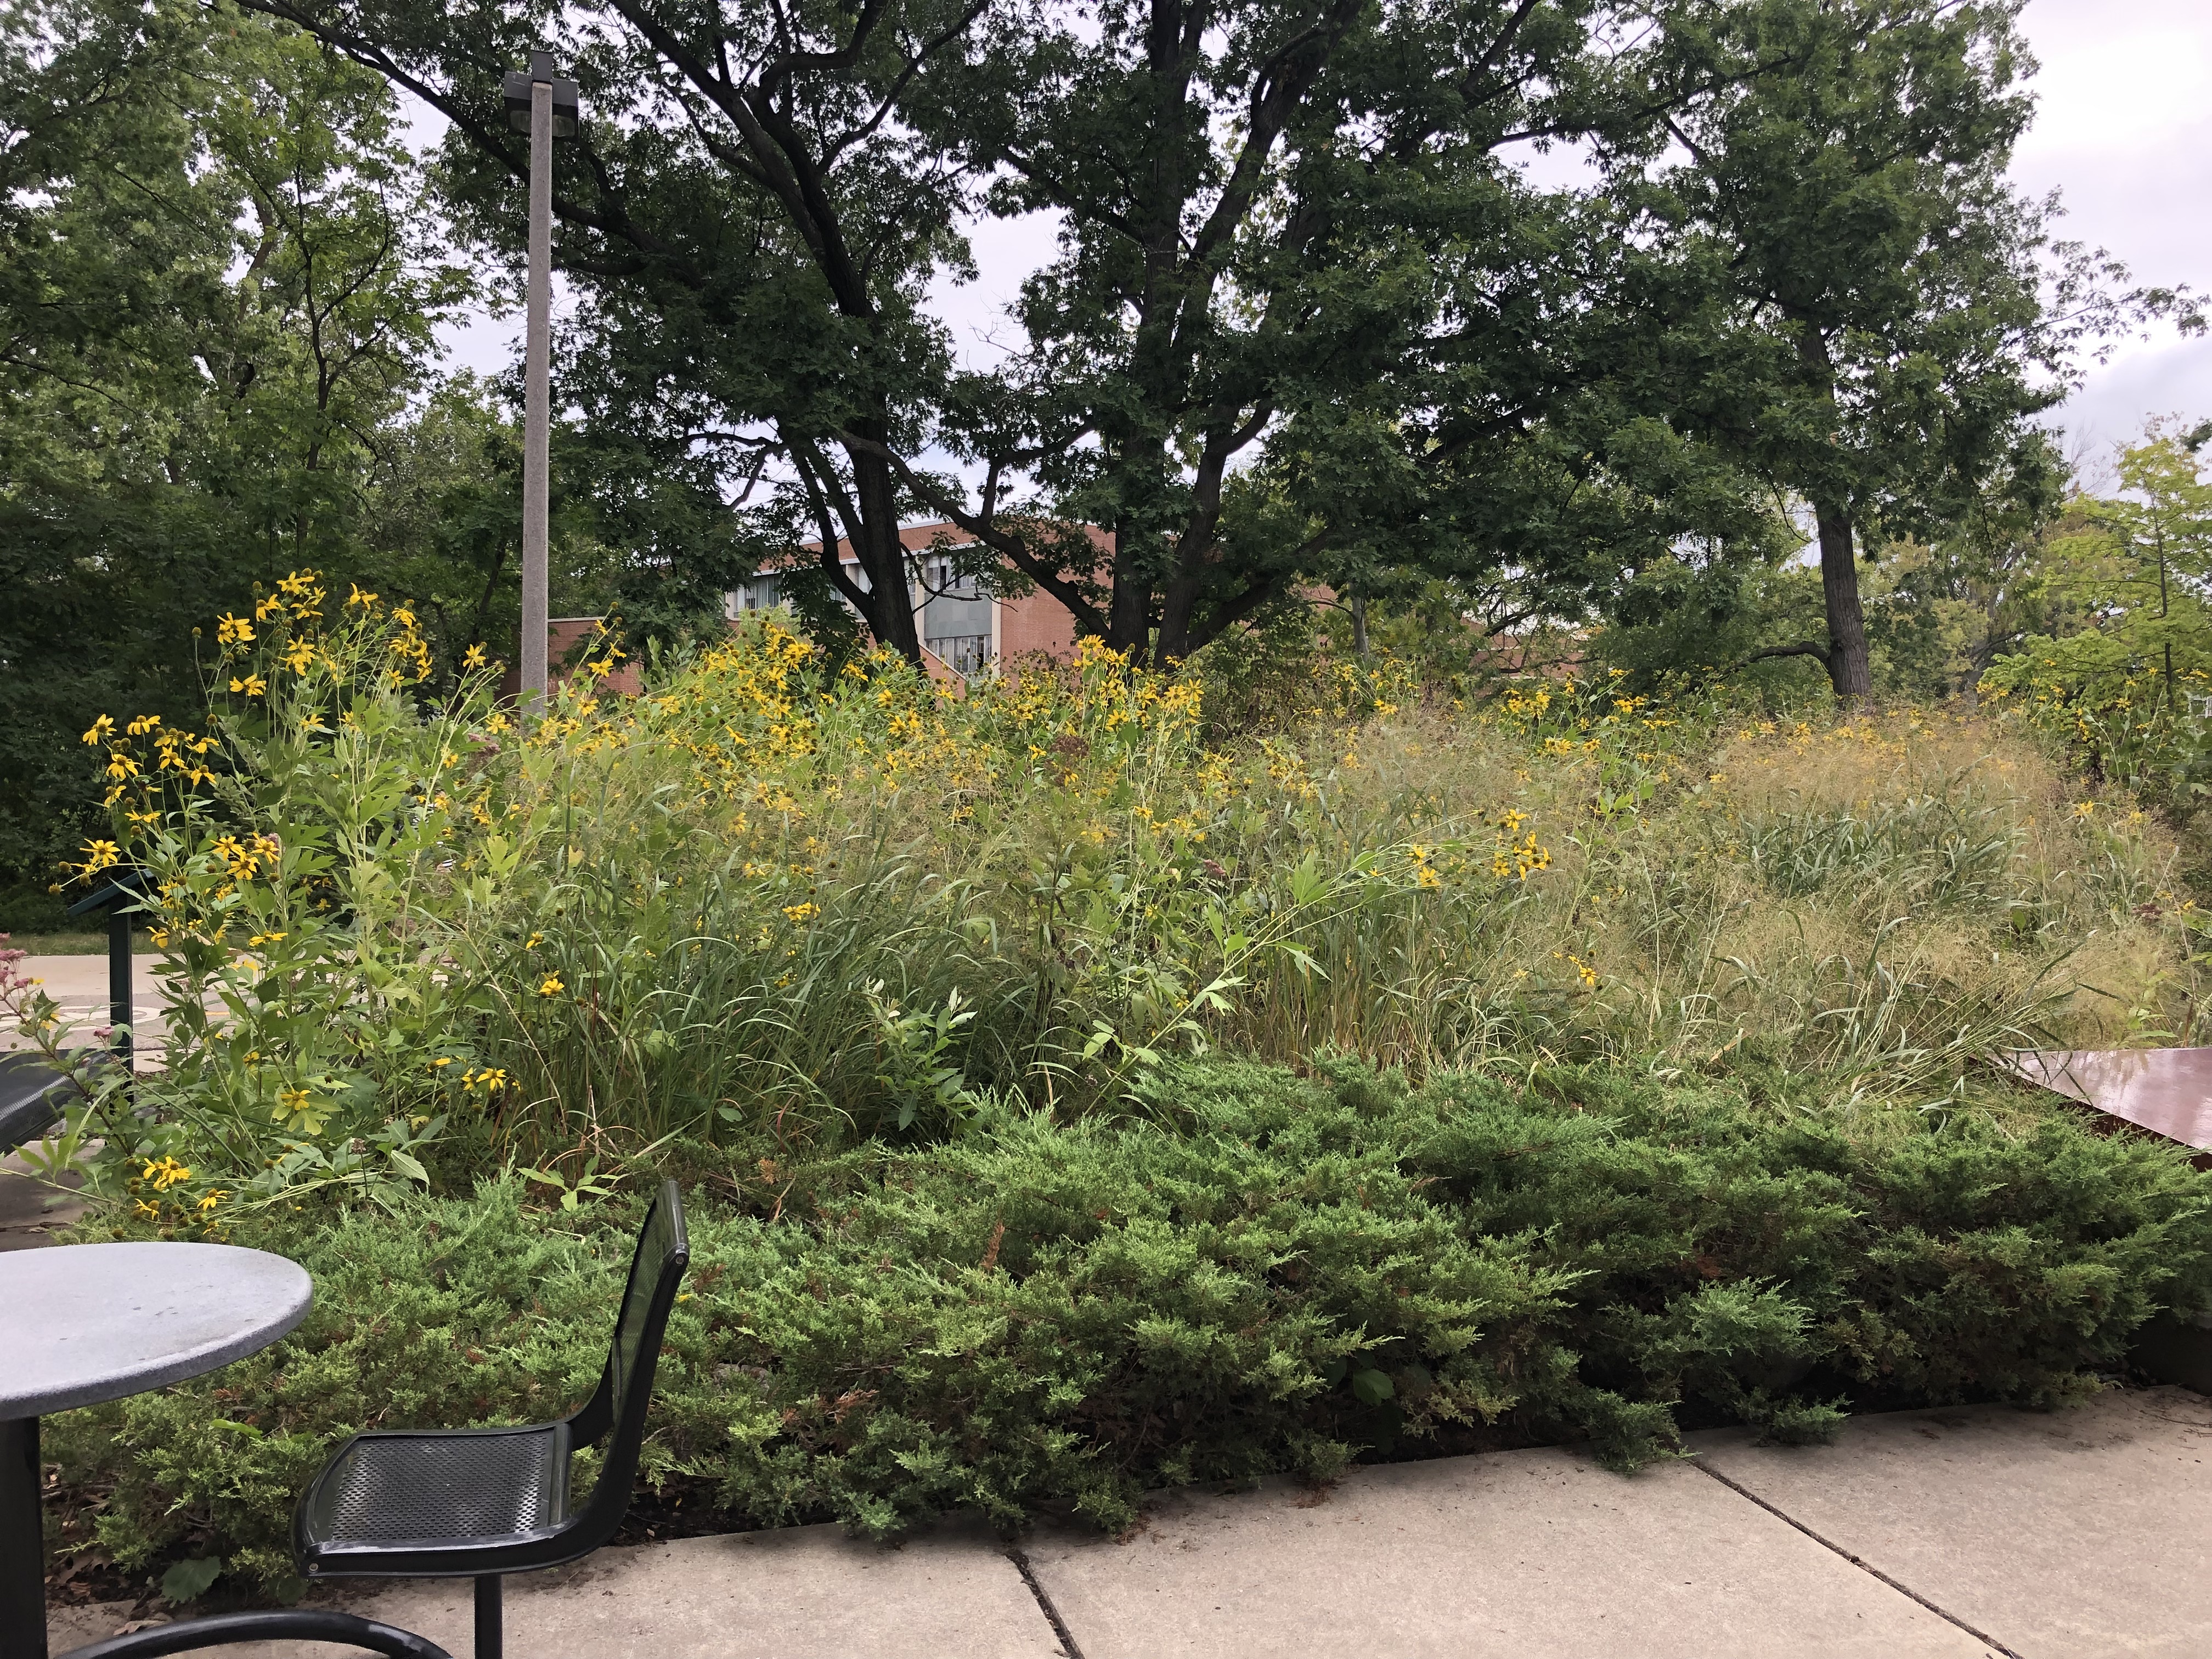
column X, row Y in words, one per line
column 2123, row 132
column 1006, row 252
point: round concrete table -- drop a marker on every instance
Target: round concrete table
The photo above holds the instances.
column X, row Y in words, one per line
column 89, row 1322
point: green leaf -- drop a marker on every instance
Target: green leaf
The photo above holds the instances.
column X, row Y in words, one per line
column 1371, row 1387
column 189, row 1580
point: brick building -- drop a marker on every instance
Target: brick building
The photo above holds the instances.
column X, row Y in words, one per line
column 963, row 630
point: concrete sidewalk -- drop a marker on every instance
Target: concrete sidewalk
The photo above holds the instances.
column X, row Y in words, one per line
column 1972, row 1533
column 80, row 985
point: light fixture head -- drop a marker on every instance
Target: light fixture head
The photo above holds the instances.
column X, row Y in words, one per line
column 517, row 88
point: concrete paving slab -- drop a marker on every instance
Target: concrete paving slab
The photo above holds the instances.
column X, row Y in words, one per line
column 2082, row 1532
column 92, row 1621
column 80, row 985
column 1515, row 1555
column 795, row 1593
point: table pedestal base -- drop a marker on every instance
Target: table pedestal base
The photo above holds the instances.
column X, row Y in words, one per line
column 23, row 1589
column 22, row 1543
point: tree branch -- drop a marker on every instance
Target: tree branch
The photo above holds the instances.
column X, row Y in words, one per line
column 1807, row 649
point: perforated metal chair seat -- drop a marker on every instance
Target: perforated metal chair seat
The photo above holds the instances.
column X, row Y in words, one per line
column 430, row 1496
column 466, row 1502
column 479, row 1502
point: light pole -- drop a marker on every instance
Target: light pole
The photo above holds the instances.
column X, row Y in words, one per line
column 544, row 108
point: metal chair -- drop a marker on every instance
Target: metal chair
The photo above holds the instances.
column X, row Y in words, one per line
column 464, row 1503
column 481, row 1502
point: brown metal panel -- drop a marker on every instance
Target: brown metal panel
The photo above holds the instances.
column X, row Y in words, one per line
column 2167, row 1092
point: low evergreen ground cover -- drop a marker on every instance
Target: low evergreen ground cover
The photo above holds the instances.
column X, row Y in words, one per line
column 1268, row 1270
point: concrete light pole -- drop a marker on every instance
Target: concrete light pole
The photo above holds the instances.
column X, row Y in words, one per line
column 544, row 108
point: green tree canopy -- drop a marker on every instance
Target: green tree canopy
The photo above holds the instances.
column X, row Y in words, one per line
column 1867, row 314
column 217, row 302
column 1309, row 317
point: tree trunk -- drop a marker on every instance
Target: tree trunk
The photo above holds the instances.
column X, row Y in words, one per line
column 1839, row 586
column 1129, row 607
column 876, row 543
column 1179, row 603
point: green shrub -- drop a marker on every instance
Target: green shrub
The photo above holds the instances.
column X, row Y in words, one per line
column 1270, row 1272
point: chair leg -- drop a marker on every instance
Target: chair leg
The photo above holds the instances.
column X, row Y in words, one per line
column 490, row 1636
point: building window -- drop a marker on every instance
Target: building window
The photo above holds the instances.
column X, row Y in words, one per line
column 956, row 617
column 937, row 580
column 966, row 654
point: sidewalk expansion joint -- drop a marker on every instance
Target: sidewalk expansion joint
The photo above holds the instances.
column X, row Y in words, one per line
column 1865, row 1566
column 1067, row 1647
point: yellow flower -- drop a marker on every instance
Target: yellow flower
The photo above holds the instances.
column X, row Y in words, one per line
column 359, row 598
column 441, row 1061
column 252, row 685
column 473, row 657
column 532, row 942
column 263, row 938
column 215, row 1196
column 99, row 855
column 552, row 987
column 234, row 630
column 164, row 1172
column 299, row 655
column 801, row 912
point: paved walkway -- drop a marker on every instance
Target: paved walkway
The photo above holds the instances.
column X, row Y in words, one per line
column 80, row 985
column 2077, row 1535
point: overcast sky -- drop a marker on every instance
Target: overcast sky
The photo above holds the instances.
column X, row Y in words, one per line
column 2123, row 131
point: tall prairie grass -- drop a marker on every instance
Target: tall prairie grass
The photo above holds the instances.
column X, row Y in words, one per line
column 778, row 899
column 1878, row 904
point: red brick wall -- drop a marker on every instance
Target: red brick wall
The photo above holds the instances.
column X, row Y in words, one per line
column 1034, row 623
column 563, row 635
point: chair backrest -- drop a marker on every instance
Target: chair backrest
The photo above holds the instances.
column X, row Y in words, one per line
column 626, row 1386
column 655, row 1268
